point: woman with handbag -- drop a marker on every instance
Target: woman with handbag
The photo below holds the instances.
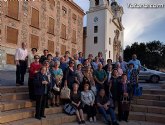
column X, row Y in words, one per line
column 57, row 76
column 132, row 76
column 115, row 82
column 125, row 98
column 106, row 107
column 41, row 83
column 88, row 100
column 48, row 74
column 75, row 98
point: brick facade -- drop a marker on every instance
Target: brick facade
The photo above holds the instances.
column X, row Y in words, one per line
column 44, row 24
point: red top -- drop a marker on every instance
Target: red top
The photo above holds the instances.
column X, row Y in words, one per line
column 33, row 68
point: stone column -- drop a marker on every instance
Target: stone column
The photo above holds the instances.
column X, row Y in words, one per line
column 2, row 49
column 43, row 25
column 69, row 35
column 25, row 23
column 58, row 24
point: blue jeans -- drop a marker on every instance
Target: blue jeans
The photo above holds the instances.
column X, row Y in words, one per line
column 109, row 111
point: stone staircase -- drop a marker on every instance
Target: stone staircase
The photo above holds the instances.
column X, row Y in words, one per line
column 149, row 107
column 17, row 109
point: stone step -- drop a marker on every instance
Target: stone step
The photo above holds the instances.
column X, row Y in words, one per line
column 14, row 96
column 58, row 119
column 53, row 119
column 149, row 117
column 148, row 102
column 14, row 115
column 154, row 91
column 13, row 89
column 131, row 122
column 151, row 97
column 148, row 109
column 18, row 104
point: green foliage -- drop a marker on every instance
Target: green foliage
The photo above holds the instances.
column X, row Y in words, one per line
column 151, row 54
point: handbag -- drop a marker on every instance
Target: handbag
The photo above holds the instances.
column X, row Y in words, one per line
column 69, row 109
column 138, row 91
column 111, row 101
column 55, row 88
column 125, row 104
column 50, row 95
column 57, row 82
column 65, row 93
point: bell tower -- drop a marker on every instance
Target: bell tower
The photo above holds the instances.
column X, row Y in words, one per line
column 101, row 27
column 97, row 3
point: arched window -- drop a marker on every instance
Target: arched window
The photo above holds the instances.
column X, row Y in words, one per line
column 96, row 2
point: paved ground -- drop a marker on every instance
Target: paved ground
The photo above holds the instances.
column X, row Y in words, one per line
column 121, row 123
column 7, row 78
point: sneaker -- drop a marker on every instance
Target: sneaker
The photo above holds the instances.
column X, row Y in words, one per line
column 52, row 105
column 115, row 123
column 90, row 119
column 43, row 116
column 17, row 84
column 126, row 120
column 94, row 119
column 57, row 105
column 109, row 123
column 79, row 122
column 39, row 118
column 83, row 122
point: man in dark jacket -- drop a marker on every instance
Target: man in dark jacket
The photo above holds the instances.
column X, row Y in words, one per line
column 109, row 63
column 44, row 57
column 104, row 107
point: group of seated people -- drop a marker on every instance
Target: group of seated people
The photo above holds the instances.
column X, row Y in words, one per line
column 95, row 87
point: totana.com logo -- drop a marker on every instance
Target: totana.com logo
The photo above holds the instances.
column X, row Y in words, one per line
column 135, row 5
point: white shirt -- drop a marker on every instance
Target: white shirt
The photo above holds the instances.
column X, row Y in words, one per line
column 87, row 97
column 109, row 76
column 21, row 54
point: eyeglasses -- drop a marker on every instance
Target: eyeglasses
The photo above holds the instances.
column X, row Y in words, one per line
column 36, row 58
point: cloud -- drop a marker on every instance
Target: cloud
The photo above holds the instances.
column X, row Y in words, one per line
column 139, row 21
column 135, row 21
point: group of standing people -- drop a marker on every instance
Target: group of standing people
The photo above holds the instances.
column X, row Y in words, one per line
column 95, row 85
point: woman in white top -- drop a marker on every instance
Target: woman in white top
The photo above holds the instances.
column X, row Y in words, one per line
column 88, row 100
column 31, row 56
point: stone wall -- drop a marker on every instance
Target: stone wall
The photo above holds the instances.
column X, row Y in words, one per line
column 25, row 30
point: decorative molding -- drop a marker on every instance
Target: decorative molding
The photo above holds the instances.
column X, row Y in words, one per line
column 58, row 18
column 43, row 21
column 25, row 22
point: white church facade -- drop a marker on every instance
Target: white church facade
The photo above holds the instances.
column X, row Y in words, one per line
column 105, row 32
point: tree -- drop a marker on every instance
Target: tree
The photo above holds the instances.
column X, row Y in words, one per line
column 151, row 54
